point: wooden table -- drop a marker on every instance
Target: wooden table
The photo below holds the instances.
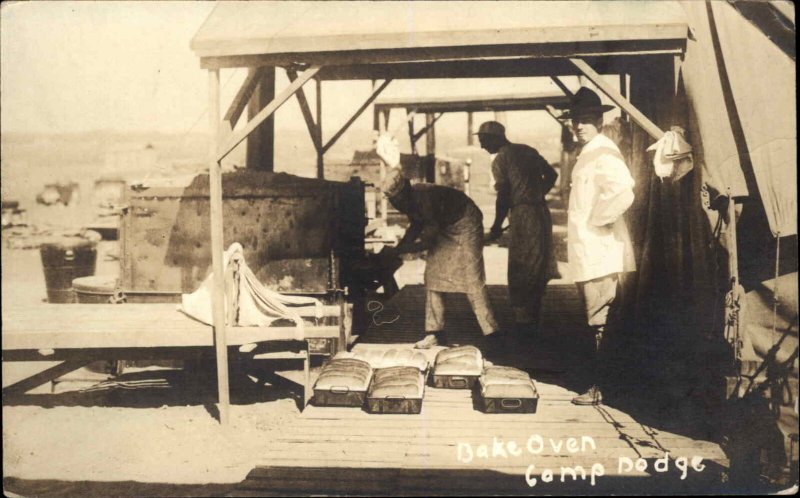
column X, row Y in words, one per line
column 77, row 334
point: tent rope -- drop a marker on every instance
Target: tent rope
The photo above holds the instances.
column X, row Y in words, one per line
column 775, row 287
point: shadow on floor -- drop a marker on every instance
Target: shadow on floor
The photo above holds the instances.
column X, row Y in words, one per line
column 646, row 383
column 57, row 488
column 339, row 481
column 250, row 382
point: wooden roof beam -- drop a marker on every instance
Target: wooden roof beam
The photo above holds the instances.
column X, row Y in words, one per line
column 355, row 116
column 496, row 68
column 479, row 104
column 266, row 112
column 445, row 54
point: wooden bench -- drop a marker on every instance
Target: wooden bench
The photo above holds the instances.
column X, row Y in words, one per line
column 77, row 334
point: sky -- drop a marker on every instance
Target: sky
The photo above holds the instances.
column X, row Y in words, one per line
column 126, row 66
column 80, row 66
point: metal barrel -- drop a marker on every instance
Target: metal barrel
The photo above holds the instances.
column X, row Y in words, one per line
column 64, row 260
column 94, row 289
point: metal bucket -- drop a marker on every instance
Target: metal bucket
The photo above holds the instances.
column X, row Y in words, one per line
column 64, row 260
column 96, row 289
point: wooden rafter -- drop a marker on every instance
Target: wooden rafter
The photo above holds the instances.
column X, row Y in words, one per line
column 375, row 93
column 306, row 110
column 636, row 115
column 561, row 85
column 239, row 103
column 552, row 112
column 266, row 112
column 423, row 131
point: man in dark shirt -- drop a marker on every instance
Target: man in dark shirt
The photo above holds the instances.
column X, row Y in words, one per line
column 448, row 224
column 522, row 178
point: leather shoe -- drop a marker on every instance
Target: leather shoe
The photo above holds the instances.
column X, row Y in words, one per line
column 431, row 340
column 590, row 398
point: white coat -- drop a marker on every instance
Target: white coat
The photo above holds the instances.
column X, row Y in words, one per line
column 598, row 243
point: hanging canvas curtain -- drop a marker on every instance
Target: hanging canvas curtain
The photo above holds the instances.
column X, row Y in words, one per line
column 762, row 80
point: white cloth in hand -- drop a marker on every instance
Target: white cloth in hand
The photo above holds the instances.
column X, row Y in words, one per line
column 388, row 150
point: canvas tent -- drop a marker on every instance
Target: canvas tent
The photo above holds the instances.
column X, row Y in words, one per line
column 737, row 91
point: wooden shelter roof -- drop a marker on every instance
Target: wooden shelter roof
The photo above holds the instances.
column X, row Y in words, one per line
column 361, row 35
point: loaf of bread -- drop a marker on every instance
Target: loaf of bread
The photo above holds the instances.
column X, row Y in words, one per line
column 506, row 382
column 462, row 360
column 349, row 373
column 396, row 382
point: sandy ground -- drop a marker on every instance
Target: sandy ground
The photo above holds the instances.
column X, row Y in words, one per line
column 176, row 444
column 116, row 435
column 162, row 433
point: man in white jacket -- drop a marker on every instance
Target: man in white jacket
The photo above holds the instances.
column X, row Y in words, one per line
column 598, row 245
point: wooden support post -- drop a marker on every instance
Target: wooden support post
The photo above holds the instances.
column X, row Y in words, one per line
column 266, row 112
column 411, row 135
column 430, row 146
column 637, row 116
column 677, row 66
column 261, row 145
column 623, row 90
column 375, row 93
column 343, row 332
column 376, row 126
column 470, row 128
column 383, row 123
column 733, row 254
column 384, row 200
column 385, row 126
column 320, row 152
column 306, row 375
column 217, row 248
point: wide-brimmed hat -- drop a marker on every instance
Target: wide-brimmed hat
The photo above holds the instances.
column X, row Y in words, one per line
column 394, row 183
column 585, row 102
column 491, row 128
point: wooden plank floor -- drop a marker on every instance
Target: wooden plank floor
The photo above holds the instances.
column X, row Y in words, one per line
column 348, row 451
column 448, row 449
